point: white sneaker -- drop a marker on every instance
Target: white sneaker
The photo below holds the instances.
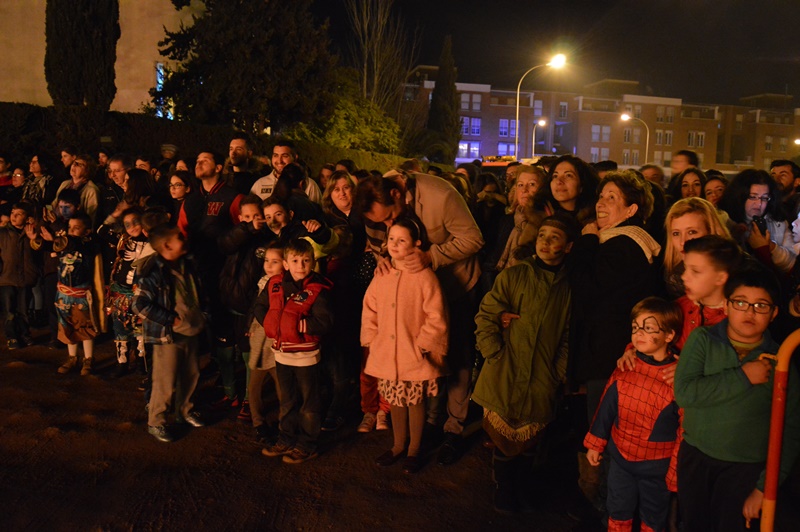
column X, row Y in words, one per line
column 382, row 423
column 368, row 423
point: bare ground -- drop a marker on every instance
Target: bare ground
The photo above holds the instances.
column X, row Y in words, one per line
column 75, row 455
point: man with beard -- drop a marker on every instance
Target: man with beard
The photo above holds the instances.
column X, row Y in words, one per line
column 786, row 173
column 241, row 169
column 283, row 154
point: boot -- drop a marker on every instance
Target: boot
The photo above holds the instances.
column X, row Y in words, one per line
column 524, row 481
column 503, row 473
column 122, row 358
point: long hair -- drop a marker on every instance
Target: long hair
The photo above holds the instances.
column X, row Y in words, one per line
column 735, row 195
column 327, row 202
column 691, row 206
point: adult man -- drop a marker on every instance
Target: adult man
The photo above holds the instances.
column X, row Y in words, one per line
column 217, row 207
column 786, row 173
column 682, row 160
column 455, row 240
column 241, row 169
column 283, row 153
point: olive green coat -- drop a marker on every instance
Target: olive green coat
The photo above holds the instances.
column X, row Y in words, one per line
column 525, row 363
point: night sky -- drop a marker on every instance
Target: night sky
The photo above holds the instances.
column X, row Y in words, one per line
column 704, row 51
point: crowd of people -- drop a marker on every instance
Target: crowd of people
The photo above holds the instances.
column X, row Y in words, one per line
column 420, row 290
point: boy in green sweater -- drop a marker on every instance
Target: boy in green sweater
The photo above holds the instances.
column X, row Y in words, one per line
column 725, row 388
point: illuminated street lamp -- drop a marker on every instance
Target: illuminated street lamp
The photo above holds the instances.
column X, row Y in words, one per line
column 797, row 142
column 625, row 117
column 542, row 123
column 558, row 61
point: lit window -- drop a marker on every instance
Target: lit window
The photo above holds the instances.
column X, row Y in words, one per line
column 635, row 158
column 464, row 101
column 626, row 156
column 700, row 138
column 690, row 139
column 626, row 135
column 595, row 152
column 604, row 154
column 595, row 133
column 513, row 131
column 463, row 149
column 464, row 125
column 475, row 128
column 659, row 136
column 537, row 108
column 502, row 130
column 475, row 150
column 668, row 138
column 637, row 135
column 606, row 134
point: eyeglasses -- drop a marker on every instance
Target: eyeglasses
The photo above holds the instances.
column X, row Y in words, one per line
column 743, row 306
column 176, row 185
column 761, row 199
column 17, row 175
column 135, row 223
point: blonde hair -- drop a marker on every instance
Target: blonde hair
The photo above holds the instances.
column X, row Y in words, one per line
column 523, row 169
column 691, row 206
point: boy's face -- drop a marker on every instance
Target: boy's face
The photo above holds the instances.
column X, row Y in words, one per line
column 133, row 225
column 66, row 210
column 173, row 247
column 701, row 278
column 300, row 266
column 647, row 335
column 552, row 245
column 273, row 262
column 77, row 228
column 276, row 217
column 18, row 217
column 745, row 323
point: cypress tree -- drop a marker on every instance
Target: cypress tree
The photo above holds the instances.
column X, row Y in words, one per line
column 444, row 123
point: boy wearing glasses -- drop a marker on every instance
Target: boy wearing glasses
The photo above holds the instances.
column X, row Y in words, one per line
column 637, row 422
column 724, row 386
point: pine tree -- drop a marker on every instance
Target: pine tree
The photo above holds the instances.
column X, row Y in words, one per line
column 249, row 63
column 444, row 123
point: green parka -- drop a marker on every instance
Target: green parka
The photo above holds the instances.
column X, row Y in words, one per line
column 525, row 363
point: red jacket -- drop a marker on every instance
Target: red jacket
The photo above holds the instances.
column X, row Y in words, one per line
column 292, row 320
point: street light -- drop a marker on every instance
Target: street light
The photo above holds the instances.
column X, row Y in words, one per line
column 558, row 61
column 542, row 123
column 625, row 117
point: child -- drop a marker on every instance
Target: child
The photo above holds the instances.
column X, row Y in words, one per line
column 725, row 390
column 295, row 311
column 522, row 330
column 79, row 290
column 167, row 298
column 404, row 324
column 18, row 272
column 129, row 249
column 262, row 359
column 637, row 422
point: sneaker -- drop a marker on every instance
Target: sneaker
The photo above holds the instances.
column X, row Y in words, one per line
column 332, row 423
column 368, row 423
column 298, row 456
column 67, row 366
column 278, row 448
column 86, row 369
column 382, row 423
column 13, row 344
column 193, row 419
column 160, row 433
column 226, row 402
column 244, row 414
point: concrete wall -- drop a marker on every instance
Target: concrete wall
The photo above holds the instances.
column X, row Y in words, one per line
column 142, row 22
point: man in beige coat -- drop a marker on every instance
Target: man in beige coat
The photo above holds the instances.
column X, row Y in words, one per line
column 455, row 241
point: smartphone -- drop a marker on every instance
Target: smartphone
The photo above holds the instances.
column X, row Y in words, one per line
column 761, row 223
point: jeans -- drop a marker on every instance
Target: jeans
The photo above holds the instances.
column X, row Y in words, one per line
column 175, row 370
column 300, row 418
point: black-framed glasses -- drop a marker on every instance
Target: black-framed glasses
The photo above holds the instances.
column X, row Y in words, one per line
column 176, row 185
column 743, row 306
column 760, row 199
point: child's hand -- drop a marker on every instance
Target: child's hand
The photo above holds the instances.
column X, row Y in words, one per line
column 311, row 225
column 46, row 235
column 628, row 360
column 757, row 371
column 593, row 457
column 752, row 506
column 30, row 230
column 506, row 317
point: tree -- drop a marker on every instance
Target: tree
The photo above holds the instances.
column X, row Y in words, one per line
column 356, row 122
column 444, row 122
column 382, row 52
column 81, row 51
column 248, row 63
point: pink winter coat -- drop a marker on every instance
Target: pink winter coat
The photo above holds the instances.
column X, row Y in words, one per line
column 404, row 314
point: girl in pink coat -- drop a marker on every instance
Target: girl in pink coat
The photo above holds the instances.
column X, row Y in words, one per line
column 404, row 324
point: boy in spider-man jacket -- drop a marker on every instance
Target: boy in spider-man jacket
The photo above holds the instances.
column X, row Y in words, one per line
column 637, row 422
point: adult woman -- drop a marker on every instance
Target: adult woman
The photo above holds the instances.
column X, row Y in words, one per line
column 81, row 169
column 340, row 267
column 40, row 188
column 325, row 173
column 690, row 183
column 529, row 181
column 571, row 187
column 752, row 200
column 687, row 219
column 715, row 186
column 611, row 269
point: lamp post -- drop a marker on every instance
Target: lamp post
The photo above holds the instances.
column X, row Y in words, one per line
column 558, row 61
column 625, row 117
column 542, row 123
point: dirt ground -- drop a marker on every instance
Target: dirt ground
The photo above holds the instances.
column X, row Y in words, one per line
column 75, row 455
